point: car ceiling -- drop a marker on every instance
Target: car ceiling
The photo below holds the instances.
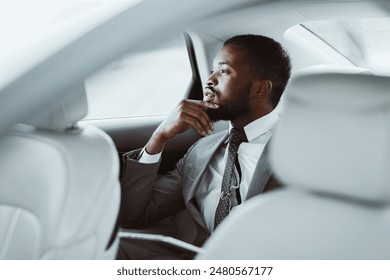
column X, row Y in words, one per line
column 273, row 19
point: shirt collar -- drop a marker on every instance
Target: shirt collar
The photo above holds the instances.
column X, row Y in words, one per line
column 260, row 126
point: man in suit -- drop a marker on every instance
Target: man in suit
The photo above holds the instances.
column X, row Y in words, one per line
column 249, row 76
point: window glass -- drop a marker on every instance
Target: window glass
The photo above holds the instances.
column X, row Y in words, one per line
column 146, row 83
column 365, row 42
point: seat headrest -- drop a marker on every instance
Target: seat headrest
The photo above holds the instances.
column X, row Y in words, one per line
column 72, row 108
column 334, row 134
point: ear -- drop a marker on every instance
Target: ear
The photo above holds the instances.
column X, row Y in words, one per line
column 265, row 87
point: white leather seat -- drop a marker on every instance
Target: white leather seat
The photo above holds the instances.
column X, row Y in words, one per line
column 332, row 152
column 59, row 188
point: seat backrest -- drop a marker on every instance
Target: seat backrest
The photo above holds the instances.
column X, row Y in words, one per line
column 331, row 150
column 59, row 187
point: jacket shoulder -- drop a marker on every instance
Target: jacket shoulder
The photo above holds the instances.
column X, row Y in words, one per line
column 206, row 142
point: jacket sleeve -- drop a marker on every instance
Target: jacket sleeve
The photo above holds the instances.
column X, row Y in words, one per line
column 146, row 196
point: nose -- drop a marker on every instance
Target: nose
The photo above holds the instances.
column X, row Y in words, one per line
column 211, row 80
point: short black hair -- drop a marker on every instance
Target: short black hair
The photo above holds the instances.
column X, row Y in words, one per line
column 268, row 60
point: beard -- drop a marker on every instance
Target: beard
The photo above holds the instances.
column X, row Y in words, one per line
column 237, row 105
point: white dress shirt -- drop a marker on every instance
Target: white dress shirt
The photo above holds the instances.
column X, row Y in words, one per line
column 258, row 133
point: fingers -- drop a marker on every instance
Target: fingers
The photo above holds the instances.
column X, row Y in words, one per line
column 196, row 124
column 201, row 103
column 188, row 113
column 192, row 112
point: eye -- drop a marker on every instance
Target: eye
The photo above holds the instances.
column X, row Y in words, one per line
column 224, row 71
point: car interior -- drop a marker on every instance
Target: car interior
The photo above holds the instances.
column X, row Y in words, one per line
column 60, row 166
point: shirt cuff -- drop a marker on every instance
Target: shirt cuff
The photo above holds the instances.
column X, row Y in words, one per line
column 147, row 158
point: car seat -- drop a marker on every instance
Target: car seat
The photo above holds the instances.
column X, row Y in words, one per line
column 59, row 187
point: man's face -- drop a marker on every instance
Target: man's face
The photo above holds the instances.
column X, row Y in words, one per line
column 229, row 85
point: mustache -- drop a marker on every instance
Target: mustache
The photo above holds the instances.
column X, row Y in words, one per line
column 209, row 88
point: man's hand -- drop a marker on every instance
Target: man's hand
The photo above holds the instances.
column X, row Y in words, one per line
column 189, row 113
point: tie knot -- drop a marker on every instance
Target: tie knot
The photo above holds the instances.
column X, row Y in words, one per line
column 237, row 136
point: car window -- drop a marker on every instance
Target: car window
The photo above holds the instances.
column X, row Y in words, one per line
column 146, row 83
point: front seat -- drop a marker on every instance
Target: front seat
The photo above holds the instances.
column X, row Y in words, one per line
column 59, row 188
column 331, row 150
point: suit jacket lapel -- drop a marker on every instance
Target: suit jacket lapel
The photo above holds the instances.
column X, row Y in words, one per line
column 261, row 174
column 204, row 155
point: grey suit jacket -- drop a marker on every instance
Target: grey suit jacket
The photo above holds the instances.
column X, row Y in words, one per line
column 147, row 198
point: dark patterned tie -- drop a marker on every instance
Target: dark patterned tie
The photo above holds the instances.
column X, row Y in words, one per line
column 236, row 137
